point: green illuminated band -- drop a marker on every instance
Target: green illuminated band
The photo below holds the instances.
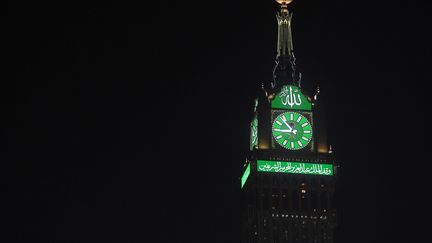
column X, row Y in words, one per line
column 294, row 167
column 254, row 133
column 245, row 175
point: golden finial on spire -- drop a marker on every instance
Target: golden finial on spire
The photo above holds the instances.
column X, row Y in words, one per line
column 284, row 1
column 284, row 4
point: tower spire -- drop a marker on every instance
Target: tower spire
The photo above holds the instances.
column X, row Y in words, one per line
column 285, row 69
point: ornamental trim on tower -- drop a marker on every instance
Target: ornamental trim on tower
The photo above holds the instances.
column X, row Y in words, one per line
column 285, row 68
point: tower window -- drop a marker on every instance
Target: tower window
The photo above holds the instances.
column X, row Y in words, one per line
column 265, row 199
column 323, row 199
column 314, row 201
column 266, row 180
column 303, row 197
column 285, row 199
column 275, row 198
column 295, row 200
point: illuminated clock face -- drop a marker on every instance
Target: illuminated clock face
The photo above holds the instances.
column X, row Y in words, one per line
column 292, row 130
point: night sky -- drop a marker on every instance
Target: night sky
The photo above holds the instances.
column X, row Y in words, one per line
column 128, row 122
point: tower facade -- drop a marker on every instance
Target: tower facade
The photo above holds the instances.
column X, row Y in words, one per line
column 289, row 176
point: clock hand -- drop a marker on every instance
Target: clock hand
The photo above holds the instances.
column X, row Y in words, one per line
column 286, row 130
column 283, row 130
column 284, row 121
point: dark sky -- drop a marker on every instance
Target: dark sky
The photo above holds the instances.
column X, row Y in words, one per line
column 129, row 120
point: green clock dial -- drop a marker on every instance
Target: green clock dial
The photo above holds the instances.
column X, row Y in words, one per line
column 254, row 133
column 292, row 130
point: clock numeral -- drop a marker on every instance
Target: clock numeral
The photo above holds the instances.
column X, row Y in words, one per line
column 299, row 143
column 279, row 137
column 284, row 142
column 305, row 138
column 299, row 118
column 291, row 116
column 279, row 123
column 304, row 124
column 306, row 131
column 292, row 144
column 283, row 118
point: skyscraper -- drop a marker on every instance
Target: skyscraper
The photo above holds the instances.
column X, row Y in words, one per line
column 289, row 176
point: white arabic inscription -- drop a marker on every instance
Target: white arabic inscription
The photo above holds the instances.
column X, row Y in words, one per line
column 298, row 168
column 290, row 97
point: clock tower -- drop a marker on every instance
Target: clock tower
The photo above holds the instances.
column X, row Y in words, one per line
column 289, row 175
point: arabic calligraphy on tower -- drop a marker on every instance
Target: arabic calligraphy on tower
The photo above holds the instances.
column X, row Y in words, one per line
column 290, row 97
column 294, row 167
